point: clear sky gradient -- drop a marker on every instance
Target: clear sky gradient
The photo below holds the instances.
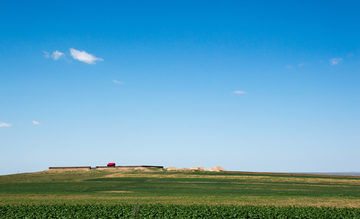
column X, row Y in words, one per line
column 247, row 85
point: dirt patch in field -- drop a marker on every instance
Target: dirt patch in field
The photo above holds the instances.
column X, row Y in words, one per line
column 315, row 180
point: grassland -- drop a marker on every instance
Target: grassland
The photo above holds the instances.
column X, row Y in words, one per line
column 110, row 187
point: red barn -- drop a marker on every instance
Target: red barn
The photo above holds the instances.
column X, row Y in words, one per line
column 111, row 164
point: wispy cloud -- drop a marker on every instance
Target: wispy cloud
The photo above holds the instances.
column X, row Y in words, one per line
column 302, row 64
column 335, row 61
column 84, row 56
column 289, row 67
column 46, row 54
column 56, row 55
column 239, row 92
column 36, row 123
column 3, row 124
column 118, row 82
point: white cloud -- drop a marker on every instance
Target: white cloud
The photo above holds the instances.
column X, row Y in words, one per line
column 335, row 61
column 118, row 82
column 84, row 56
column 239, row 92
column 302, row 64
column 36, row 123
column 46, row 54
column 56, row 55
column 3, row 124
column 289, row 67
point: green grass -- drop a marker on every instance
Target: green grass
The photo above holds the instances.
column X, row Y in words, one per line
column 184, row 188
column 173, row 211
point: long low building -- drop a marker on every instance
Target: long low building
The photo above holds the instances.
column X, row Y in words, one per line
column 148, row 166
column 103, row 167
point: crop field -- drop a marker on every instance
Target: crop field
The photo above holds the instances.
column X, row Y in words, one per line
column 238, row 193
column 173, row 211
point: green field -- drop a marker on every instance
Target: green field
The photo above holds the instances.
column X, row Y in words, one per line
column 173, row 211
column 112, row 187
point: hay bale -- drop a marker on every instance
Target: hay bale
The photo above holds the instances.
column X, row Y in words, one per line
column 219, row 168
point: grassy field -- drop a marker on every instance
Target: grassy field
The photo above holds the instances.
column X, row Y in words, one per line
column 180, row 188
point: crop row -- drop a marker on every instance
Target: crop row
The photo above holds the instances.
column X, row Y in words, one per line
column 173, row 211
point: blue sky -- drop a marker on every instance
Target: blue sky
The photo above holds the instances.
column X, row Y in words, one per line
column 252, row 86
